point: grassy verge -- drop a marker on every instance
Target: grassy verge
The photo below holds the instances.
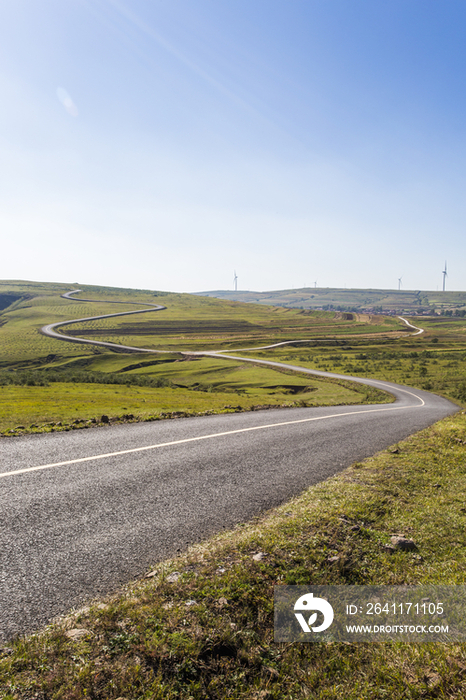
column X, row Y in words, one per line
column 201, row 626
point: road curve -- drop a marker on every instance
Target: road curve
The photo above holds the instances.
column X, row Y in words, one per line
column 410, row 325
column 83, row 512
column 50, row 329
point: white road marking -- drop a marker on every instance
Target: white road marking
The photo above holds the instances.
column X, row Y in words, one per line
column 198, row 438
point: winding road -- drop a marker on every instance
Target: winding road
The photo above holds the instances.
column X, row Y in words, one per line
column 85, row 511
column 52, row 333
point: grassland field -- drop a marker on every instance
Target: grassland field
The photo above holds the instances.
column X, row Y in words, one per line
column 210, row 388
column 151, row 387
column 200, row 626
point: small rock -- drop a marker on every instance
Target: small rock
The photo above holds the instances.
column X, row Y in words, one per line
column 259, row 556
column 403, row 543
column 333, row 560
column 77, row 633
column 173, row 577
column 222, row 602
column 104, row 419
column 83, row 611
column 189, row 603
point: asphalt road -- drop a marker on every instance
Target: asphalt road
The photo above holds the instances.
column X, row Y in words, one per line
column 85, row 511
column 50, row 328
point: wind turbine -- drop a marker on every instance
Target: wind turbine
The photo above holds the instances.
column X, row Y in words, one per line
column 445, row 275
column 235, row 280
column 399, row 282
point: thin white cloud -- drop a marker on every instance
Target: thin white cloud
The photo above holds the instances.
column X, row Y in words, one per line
column 67, row 102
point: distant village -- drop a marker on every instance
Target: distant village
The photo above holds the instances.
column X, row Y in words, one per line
column 430, row 311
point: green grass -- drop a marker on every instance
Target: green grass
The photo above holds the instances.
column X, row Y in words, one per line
column 209, row 634
column 207, row 324
column 167, row 388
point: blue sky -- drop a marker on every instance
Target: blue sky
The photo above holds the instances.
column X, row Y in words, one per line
column 164, row 144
